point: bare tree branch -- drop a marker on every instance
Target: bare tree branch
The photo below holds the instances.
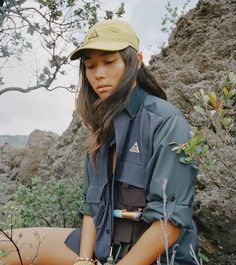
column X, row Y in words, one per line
column 22, row 90
column 31, row 88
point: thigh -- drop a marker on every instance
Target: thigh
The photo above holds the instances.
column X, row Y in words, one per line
column 43, row 245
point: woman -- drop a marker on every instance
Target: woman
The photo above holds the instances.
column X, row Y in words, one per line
column 138, row 196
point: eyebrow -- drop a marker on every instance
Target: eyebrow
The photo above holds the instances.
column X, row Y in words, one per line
column 86, row 56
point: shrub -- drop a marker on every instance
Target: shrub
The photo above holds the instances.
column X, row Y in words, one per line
column 52, row 203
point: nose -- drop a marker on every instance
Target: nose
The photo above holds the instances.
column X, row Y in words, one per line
column 100, row 72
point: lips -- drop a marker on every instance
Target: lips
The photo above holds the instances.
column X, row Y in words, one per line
column 103, row 88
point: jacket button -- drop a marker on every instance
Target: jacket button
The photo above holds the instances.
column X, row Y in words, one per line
column 172, row 199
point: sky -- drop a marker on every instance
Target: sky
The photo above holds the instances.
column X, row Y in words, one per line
column 20, row 113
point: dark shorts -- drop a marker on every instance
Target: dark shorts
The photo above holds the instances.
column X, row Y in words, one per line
column 73, row 242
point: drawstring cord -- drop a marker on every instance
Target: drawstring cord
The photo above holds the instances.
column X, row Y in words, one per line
column 117, row 253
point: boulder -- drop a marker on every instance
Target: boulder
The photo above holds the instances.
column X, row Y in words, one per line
column 66, row 158
column 38, row 144
column 10, row 158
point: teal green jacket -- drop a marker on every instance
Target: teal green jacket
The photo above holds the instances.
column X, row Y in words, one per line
column 144, row 158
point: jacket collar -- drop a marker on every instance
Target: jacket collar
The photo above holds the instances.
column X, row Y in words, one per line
column 137, row 97
column 136, row 100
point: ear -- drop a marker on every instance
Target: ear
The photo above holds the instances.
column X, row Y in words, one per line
column 140, row 58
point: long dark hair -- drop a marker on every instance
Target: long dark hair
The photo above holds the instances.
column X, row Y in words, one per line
column 98, row 114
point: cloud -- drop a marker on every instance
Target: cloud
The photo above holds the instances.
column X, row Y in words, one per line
column 22, row 113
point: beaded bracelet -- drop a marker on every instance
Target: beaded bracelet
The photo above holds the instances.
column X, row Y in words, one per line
column 84, row 261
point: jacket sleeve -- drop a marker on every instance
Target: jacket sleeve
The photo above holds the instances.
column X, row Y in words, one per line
column 173, row 201
column 86, row 207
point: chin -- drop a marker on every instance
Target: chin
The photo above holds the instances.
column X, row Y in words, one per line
column 103, row 97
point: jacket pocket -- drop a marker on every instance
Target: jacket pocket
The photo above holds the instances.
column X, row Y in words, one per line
column 130, row 172
column 130, row 197
column 96, row 197
column 94, row 193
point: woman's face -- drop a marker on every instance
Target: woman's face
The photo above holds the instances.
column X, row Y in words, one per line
column 103, row 71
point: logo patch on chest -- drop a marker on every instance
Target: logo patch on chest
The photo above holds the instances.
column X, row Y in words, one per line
column 134, row 148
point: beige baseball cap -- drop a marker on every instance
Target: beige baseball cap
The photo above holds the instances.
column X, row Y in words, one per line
column 108, row 35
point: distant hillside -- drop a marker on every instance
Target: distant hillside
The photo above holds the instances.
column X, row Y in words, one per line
column 14, row 140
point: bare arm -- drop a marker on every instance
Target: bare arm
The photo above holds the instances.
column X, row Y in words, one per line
column 88, row 237
column 150, row 245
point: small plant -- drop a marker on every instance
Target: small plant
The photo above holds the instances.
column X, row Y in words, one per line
column 195, row 150
column 216, row 108
column 217, row 111
column 228, row 87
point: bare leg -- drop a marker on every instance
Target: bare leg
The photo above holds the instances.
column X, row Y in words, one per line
column 44, row 243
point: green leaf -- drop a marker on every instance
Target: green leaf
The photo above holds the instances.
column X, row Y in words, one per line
column 232, row 78
column 225, row 91
column 178, row 151
column 188, row 159
column 226, row 121
column 121, row 10
column 231, row 94
column 203, row 257
column 196, row 95
column 196, row 140
column 205, row 148
column 199, row 109
column 205, row 98
column 182, row 160
column 202, row 93
column 171, row 143
column 213, row 98
column 30, row 30
column 175, row 148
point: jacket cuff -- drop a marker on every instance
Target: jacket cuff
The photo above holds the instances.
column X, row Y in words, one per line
column 178, row 215
column 86, row 209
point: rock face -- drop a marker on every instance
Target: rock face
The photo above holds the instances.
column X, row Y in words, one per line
column 9, row 163
column 46, row 155
column 201, row 51
column 22, row 164
column 38, row 144
column 66, row 158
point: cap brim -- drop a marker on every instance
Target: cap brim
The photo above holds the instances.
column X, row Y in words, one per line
column 102, row 46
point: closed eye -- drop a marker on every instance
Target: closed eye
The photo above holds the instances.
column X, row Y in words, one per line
column 110, row 62
column 89, row 66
